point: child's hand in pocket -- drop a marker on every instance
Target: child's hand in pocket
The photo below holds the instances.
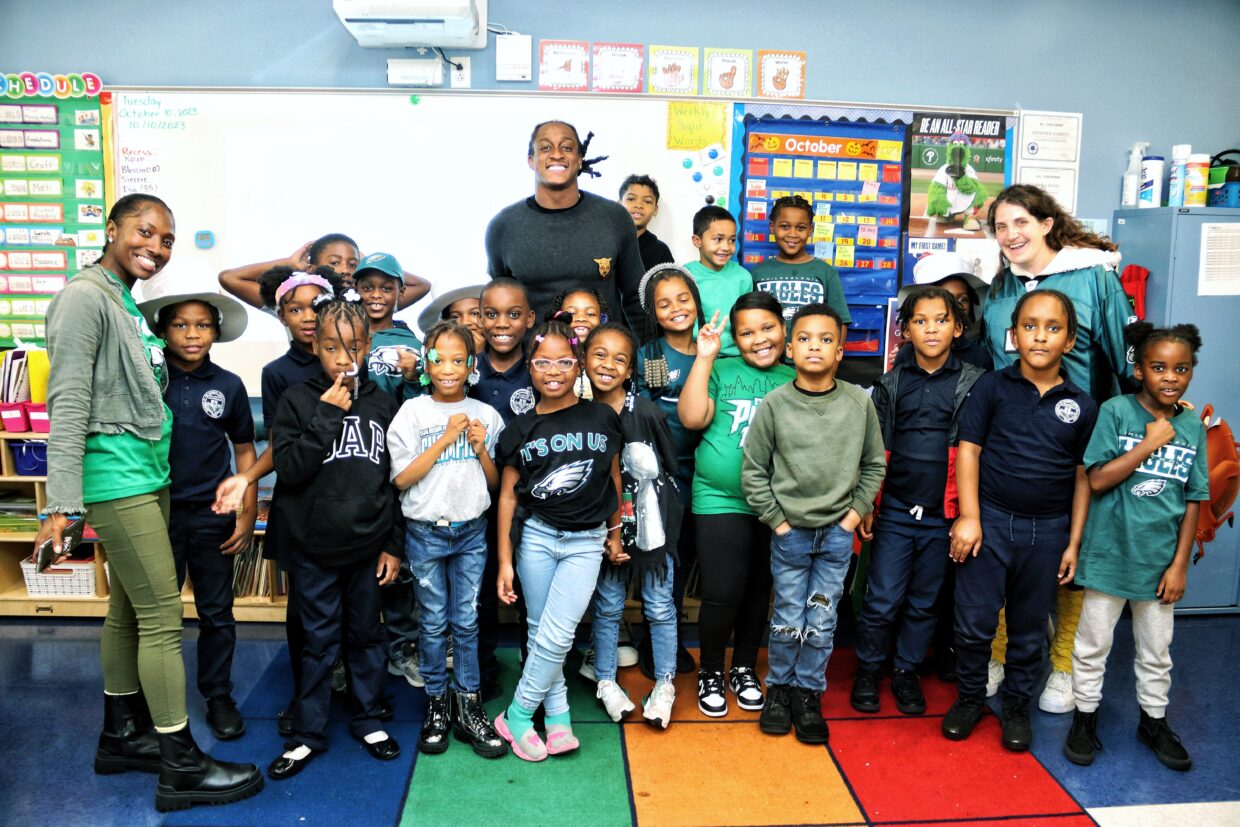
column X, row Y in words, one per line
column 387, row 568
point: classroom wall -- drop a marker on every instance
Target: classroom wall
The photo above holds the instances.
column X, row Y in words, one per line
column 1135, row 69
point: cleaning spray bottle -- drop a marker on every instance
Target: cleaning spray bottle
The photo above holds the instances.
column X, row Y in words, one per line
column 1179, row 169
column 1132, row 175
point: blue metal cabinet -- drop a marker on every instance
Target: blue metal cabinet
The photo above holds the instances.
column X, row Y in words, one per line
column 1167, row 242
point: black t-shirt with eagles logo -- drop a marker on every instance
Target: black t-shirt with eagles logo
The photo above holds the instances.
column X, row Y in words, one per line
column 564, row 459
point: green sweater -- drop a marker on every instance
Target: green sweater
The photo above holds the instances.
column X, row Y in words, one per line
column 808, row 459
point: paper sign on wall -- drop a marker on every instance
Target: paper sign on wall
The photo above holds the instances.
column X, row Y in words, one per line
column 619, row 67
column 673, row 70
column 781, row 74
column 564, row 65
column 728, row 73
column 696, row 125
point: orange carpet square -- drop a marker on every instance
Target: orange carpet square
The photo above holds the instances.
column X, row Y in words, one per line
column 905, row 770
column 690, row 774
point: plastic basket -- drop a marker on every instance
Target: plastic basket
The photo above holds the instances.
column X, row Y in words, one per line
column 36, row 412
column 30, row 457
column 72, row 578
column 1224, row 195
column 14, row 417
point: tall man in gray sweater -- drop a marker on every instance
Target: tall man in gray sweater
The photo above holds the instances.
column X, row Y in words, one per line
column 561, row 238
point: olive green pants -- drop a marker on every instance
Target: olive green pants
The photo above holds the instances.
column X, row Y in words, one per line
column 141, row 642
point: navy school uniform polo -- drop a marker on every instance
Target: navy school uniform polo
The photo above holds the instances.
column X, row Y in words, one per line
column 293, row 368
column 210, row 408
column 1031, row 443
column 924, row 404
column 510, row 392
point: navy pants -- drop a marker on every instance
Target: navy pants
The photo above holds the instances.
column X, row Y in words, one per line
column 908, row 560
column 335, row 601
column 196, row 534
column 1018, row 565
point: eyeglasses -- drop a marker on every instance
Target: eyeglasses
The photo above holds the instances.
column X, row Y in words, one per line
column 544, row 365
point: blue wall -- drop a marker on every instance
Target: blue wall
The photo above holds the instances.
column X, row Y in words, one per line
column 1133, row 68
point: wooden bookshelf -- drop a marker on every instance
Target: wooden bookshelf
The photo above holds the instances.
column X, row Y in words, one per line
column 15, row 601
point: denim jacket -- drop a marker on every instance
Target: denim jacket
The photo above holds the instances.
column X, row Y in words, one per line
column 100, row 382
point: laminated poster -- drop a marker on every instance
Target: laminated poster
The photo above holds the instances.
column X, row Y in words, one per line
column 564, row 65
column 673, row 70
column 619, row 67
column 51, row 192
column 728, row 73
column 781, row 74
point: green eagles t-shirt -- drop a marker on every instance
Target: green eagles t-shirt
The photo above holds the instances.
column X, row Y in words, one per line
column 719, row 291
column 737, row 388
column 796, row 285
column 1132, row 529
column 125, row 465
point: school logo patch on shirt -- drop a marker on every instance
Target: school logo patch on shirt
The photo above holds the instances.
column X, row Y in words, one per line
column 522, row 401
column 604, row 267
column 563, row 480
column 1149, row 488
column 213, row 403
column 1067, row 410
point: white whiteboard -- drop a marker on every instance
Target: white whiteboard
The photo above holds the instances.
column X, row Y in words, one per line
column 268, row 171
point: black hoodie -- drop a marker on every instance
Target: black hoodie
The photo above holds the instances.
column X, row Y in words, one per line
column 336, row 503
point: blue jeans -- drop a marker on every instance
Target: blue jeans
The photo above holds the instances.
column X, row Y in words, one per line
column 558, row 571
column 659, row 608
column 447, row 563
column 808, row 566
column 908, row 561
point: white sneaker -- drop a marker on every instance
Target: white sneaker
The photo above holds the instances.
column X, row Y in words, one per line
column 587, row 666
column 994, row 677
column 407, row 667
column 1057, row 697
column 657, row 708
column 450, row 661
column 626, row 656
column 614, row 700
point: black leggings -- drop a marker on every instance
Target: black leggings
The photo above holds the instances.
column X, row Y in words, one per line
column 734, row 569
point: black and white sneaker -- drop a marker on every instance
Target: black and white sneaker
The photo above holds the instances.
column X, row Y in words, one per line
column 712, row 700
column 744, row 685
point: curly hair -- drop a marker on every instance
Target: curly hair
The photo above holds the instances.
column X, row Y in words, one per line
column 1141, row 335
column 1066, row 231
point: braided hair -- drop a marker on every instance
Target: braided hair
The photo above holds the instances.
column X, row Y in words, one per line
column 341, row 309
column 587, row 164
column 655, row 374
column 790, row 202
column 623, row 330
column 271, row 280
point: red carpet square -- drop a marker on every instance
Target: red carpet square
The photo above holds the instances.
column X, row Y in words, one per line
column 905, row 770
column 1078, row 820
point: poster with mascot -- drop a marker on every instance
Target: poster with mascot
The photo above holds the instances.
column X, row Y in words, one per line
column 958, row 163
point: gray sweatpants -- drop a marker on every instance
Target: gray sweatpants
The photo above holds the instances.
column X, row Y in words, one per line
column 1152, row 625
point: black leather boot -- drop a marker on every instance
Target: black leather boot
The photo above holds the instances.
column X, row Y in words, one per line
column 470, row 724
column 188, row 776
column 434, row 738
column 128, row 740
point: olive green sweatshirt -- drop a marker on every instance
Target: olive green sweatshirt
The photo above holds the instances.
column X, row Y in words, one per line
column 808, row 458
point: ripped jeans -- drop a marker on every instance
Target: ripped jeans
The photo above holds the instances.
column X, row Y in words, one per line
column 808, row 566
column 447, row 563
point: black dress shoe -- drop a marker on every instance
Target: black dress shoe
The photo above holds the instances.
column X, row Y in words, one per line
column 224, row 719
column 1017, row 733
column 959, row 721
column 864, row 697
column 384, row 750
column 284, row 720
column 285, row 767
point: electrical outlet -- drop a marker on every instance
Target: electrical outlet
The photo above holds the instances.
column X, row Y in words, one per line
column 460, row 77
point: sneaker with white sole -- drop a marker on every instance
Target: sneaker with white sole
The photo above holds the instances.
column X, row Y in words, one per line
column 626, row 656
column 587, row 667
column 657, row 707
column 1057, row 697
column 712, row 699
column 994, row 678
column 406, row 666
column 614, row 700
column 744, row 685
column 450, row 660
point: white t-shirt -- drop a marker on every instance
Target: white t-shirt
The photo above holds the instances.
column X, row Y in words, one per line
column 455, row 489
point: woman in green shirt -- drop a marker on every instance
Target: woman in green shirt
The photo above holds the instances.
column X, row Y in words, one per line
column 108, row 462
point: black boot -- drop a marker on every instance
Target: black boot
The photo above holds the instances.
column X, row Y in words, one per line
column 1017, row 733
column 471, row 725
column 807, row 717
column 434, row 738
column 864, row 697
column 776, row 717
column 906, row 686
column 1082, row 738
column 128, row 740
column 188, row 776
column 959, row 721
column 1155, row 734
